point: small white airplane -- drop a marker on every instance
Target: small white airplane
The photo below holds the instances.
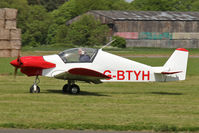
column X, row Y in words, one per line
column 97, row 66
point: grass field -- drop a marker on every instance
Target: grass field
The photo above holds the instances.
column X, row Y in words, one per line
column 170, row 106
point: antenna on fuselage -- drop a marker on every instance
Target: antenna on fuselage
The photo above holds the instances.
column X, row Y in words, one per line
column 108, row 44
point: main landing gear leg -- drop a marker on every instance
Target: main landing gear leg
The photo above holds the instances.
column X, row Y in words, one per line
column 71, row 88
column 35, row 88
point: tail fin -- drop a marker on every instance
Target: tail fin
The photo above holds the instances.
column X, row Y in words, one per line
column 177, row 63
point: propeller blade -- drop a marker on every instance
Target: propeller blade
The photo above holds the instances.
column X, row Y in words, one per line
column 16, row 67
column 15, row 72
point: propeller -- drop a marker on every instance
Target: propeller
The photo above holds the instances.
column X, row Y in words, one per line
column 15, row 73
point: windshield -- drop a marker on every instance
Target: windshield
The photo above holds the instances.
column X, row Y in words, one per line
column 77, row 55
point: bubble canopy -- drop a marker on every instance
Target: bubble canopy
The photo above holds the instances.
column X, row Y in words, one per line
column 78, row 55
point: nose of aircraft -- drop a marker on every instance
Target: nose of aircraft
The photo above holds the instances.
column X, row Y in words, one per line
column 15, row 63
column 31, row 65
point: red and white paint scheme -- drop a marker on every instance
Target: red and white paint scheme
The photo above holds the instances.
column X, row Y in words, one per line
column 97, row 66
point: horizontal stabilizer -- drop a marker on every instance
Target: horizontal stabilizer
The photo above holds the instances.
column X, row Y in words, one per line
column 171, row 72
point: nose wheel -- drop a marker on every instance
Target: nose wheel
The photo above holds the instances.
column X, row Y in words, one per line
column 71, row 88
column 35, row 88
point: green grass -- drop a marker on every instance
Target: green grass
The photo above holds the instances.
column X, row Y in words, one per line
column 170, row 106
column 5, row 67
column 53, row 47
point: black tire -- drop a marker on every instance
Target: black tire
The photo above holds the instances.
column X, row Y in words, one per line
column 34, row 91
column 74, row 89
column 65, row 88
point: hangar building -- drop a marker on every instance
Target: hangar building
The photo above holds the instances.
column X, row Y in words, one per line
column 151, row 28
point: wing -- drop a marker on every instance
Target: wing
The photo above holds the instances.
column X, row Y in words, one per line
column 82, row 74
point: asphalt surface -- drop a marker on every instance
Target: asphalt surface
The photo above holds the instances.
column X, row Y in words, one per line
column 60, row 131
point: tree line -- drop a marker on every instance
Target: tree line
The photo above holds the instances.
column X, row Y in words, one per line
column 43, row 22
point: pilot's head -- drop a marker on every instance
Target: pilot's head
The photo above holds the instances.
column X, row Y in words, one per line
column 81, row 52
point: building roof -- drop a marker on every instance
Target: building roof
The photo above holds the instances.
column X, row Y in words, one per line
column 115, row 15
column 147, row 15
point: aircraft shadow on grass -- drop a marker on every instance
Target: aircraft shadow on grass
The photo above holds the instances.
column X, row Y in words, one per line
column 166, row 93
column 82, row 93
column 156, row 93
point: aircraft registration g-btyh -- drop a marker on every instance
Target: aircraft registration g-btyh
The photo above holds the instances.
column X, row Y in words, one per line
column 97, row 66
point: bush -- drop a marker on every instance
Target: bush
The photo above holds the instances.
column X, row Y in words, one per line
column 119, row 42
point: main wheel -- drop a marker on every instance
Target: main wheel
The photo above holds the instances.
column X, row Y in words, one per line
column 34, row 89
column 74, row 89
column 65, row 88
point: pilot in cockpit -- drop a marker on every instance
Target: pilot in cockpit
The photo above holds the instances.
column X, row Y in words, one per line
column 84, row 57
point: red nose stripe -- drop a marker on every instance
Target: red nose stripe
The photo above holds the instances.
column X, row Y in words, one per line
column 36, row 62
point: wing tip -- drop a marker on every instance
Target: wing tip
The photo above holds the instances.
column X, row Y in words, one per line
column 182, row 49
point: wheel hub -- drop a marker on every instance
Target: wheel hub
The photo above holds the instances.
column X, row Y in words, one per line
column 74, row 90
column 34, row 88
